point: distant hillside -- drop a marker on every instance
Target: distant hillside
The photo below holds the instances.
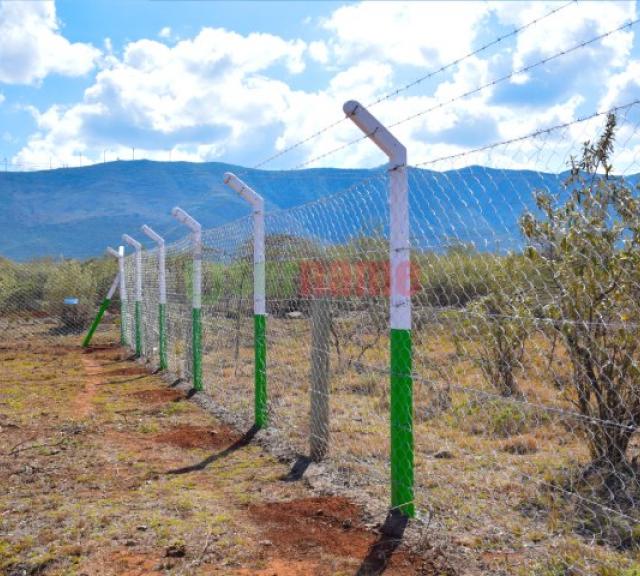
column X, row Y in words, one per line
column 76, row 212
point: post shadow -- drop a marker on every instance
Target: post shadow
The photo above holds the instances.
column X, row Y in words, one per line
column 126, row 380
column 297, row 470
column 381, row 551
column 240, row 443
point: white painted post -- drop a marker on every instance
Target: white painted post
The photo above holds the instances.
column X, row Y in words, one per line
column 402, row 478
column 259, row 296
column 162, row 296
column 196, row 229
column 138, row 310
column 119, row 254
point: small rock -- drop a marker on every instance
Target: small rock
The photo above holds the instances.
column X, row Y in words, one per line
column 265, row 543
column 176, row 551
column 130, row 543
column 294, row 315
column 443, row 455
column 142, row 528
column 346, row 524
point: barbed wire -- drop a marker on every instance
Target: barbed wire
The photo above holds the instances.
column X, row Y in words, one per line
column 417, row 81
column 492, row 83
column 530, row 135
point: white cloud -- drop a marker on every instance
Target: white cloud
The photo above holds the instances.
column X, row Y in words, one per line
column 623, row 87
column 165, row 32
column 31, row 46
column 318, row 51
column 2, row 98
column 411, row 33
column 568, row 28
column 225, row 96
column 203, row 94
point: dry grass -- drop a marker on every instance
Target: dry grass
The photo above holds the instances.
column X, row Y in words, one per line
column 101, row 476
column 491, row 491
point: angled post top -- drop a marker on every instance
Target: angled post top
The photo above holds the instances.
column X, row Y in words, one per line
column 373, row 128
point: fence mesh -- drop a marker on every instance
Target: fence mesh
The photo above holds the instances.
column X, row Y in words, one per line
column 525, row 284
column 524, row 288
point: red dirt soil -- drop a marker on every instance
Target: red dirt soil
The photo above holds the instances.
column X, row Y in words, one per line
column 83, row 402
column 331, row 523
column 300, row 530
column 127, row 371
column 197, row 437
column 124, row 563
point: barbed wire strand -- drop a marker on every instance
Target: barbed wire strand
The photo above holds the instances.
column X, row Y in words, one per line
column 515, row 32
column 495, row 82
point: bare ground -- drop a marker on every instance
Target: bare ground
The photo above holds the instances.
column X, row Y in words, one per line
column 106, row 470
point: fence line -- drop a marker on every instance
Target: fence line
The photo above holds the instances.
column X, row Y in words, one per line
column 502, row 419
column 518, row 373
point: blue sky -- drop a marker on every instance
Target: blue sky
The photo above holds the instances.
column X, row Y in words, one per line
column 239, row 81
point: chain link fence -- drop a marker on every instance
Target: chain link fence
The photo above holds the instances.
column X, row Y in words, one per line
column 525, row 291
column 524, row 288
column 52, row 298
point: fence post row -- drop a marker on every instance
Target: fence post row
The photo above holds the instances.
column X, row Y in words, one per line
column 402, row 479
column 103, row 306
column 196, row 313
column 119, row 254
column 259, row 291
column 162, row 296
column 138, row 311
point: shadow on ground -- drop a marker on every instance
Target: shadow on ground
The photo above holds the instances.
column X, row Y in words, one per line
column 240, row 443
column 381, row 551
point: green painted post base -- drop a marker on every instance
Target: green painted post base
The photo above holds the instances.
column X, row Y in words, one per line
column 162, row 338
column 260, row 367
column 402, row 480
column 96, row 321
column 123, row 323
column 138, row 328
column 196, row 345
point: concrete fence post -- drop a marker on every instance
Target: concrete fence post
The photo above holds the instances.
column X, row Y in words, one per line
column 162, row 295
column 196, row 311
column 103, row 307
column 119, row 254
column 259, row 297
column 320, row 376
column 401, row 381
column 138, row 309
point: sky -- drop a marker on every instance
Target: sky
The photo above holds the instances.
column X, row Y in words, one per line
column 239, row 82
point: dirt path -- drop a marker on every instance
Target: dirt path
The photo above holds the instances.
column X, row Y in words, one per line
column 123, row 475
column 84, row 400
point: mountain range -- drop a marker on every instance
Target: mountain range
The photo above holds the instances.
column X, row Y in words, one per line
column 77, row 212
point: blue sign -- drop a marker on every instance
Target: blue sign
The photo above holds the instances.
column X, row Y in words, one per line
column 72, row 301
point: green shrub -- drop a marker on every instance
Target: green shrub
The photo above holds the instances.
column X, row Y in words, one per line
column 495, row 417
